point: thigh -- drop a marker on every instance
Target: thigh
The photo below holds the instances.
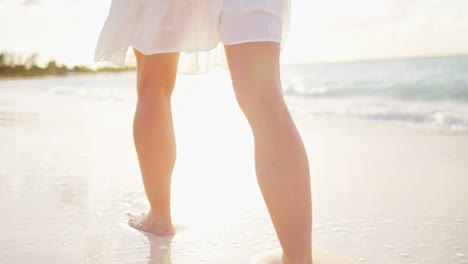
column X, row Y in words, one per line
column 156, row 72
column 255, row 69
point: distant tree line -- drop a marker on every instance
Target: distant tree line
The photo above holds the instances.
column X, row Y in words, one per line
column 12, row 65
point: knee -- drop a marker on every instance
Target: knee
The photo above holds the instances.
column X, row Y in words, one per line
column 149, row 87
column 255, row 97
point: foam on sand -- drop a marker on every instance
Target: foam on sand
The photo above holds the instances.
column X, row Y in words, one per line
column 274, row 257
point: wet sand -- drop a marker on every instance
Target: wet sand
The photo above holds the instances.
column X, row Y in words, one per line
column 69, row 178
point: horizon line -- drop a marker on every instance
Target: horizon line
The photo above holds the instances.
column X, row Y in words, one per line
column 378, row 59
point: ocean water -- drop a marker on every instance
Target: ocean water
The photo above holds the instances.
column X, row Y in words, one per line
column 431, row 93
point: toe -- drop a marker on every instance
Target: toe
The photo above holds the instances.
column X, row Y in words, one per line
column 134, row 223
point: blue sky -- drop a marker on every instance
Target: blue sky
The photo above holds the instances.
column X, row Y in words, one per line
column 331, row 30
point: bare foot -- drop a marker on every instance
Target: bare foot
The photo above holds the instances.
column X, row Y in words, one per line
column 148, row 223
column 285, row 261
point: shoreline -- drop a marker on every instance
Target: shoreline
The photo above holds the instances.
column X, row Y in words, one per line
column 68, row 74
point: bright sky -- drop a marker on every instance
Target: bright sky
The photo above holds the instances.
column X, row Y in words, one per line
column 329, row 30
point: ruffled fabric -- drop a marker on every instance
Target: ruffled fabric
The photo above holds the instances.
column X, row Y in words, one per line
column 157, row 26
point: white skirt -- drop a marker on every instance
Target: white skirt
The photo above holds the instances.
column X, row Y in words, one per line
column 194, row 27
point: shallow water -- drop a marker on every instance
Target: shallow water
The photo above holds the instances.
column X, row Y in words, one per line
column 69, row 176
column 431, row 93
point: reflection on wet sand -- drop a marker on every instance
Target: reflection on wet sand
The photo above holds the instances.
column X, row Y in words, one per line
column 160, row 249
column 14, row 118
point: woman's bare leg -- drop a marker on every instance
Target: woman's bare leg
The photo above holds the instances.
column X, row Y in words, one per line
column 280, row 158
column 154, row 138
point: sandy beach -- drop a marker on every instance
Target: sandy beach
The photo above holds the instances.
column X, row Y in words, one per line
column 69, row 180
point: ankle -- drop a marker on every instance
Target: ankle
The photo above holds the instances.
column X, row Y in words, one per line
column 160, row 218
column 159, row 214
